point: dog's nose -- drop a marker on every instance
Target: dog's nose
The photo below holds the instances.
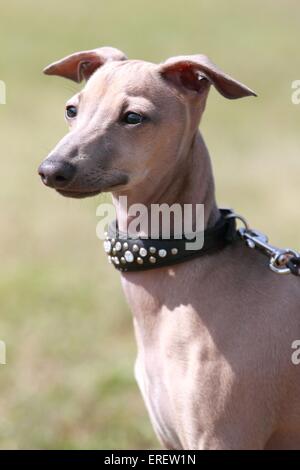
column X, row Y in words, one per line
column 56, row 174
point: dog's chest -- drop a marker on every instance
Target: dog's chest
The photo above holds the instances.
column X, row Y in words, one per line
column 167, row 364
column 167, row 373
column 157, row 403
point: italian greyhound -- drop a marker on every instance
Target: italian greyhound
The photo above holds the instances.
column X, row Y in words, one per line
column 214, row 334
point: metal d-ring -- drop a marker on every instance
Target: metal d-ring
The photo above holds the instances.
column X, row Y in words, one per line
column 233, row 215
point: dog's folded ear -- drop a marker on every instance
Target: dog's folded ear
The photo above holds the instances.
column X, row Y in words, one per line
column 196, row 72
column 81, row 65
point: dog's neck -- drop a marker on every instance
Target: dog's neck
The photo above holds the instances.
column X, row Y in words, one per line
column 190, row 182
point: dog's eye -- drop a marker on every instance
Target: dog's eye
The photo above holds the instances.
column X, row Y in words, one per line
column 133, row 118
column 71, row 111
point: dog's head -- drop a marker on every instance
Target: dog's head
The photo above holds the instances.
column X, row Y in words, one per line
column 132, row 121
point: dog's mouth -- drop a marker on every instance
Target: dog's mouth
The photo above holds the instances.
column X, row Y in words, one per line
column 78, row 194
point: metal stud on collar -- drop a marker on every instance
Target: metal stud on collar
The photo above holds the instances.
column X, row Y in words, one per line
column 120, row 254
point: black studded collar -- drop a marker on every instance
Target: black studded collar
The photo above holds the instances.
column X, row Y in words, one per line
column 139, row 254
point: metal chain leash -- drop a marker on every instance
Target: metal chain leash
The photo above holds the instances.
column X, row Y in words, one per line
column 282, row 261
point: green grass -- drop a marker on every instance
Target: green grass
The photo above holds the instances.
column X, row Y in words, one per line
column 68, row 382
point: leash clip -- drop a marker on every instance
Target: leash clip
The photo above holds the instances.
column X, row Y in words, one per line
column 279, row 257
column 282, row 261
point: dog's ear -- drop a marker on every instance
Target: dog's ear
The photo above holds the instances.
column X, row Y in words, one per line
column 196, row 72
column 81, row 65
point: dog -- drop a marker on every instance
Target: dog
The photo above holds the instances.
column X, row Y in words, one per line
column 214, row 334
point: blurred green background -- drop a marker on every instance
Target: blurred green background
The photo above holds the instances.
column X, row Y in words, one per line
column 68, row 382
